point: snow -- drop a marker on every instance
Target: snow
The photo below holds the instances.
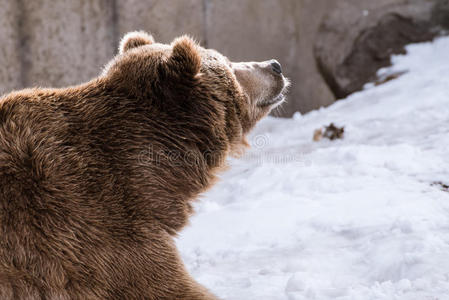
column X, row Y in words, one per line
column 357, row 218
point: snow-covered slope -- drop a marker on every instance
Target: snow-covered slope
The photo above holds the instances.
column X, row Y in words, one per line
column 358, row 218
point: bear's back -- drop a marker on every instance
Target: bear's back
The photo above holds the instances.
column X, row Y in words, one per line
column 93, row 184
column 22, row 243
column 38, row 226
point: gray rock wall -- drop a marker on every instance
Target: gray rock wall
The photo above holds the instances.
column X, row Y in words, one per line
column 10, row 58
column 359, row 36
column 164, row 19
column 66, row 42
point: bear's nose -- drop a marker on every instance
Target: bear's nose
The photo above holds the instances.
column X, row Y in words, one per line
column 276, row 66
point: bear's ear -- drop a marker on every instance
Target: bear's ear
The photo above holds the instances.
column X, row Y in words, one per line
column 135, row 39
column 185, row 59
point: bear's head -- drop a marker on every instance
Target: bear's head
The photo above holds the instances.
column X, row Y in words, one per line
column 185, row 79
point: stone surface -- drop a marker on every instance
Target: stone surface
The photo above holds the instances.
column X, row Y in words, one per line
column 359, row 36
column 264, row 29
column 65, row 42
column 311, row 91
column 10, row 63
column 164, row 19
column 58, row 43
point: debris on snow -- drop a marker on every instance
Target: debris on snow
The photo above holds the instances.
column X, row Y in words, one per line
column 442, row 186
column 331, row 132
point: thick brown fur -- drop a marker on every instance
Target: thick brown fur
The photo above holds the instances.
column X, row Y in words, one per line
column 96, row 179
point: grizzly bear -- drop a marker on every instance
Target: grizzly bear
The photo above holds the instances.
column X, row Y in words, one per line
column 96, row 179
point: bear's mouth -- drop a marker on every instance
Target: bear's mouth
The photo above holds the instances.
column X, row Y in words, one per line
column 274, row 101
column 277, row 100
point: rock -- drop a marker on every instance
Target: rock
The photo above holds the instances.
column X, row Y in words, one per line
column 64, row 42
column 58, row 43
column 165, row 20
column 11, row 67
column 359, row 37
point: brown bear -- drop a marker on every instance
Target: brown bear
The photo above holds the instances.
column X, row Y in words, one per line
column 96, row 179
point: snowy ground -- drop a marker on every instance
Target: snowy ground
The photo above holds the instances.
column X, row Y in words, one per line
column 358, row 218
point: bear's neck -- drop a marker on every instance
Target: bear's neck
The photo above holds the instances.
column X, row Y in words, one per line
column 163, row 158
